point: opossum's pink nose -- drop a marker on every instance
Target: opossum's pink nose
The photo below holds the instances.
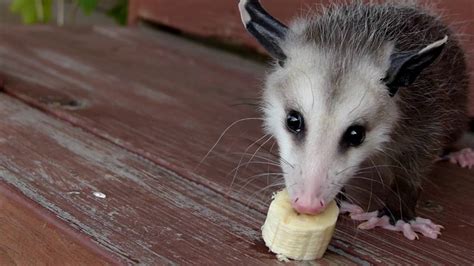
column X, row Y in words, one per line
column 308, row 205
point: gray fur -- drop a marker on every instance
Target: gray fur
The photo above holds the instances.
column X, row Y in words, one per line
column 439, row 95
column 431, row 112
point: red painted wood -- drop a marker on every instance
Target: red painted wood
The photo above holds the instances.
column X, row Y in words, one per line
column 149, row 215
column 23, row 226
column 163, row 114
column 167, row 100
column 133, row 17
column 221, row 20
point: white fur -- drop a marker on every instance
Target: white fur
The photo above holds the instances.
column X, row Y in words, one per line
column 434, row 45
column 303, row 85
column 244, row 15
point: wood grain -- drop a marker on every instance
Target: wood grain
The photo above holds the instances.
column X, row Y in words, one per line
column 29, row 236
column 166, row 101
column 221, row 20
column 149, row 215
column 155, row 117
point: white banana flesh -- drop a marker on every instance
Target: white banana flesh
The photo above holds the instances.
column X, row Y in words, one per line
column 298, row 236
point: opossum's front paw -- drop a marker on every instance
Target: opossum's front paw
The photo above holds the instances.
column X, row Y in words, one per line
column 346, row 207
column 409, row 229
column 464, row 158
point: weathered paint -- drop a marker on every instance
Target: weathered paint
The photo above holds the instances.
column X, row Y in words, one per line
column 143, row 152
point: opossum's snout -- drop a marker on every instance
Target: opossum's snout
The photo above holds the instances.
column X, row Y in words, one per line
column 307, row 196
column 323, row 156
column 313, row 188
column 308, row 204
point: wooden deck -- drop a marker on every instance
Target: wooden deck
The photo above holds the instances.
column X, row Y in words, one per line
column 101, row 137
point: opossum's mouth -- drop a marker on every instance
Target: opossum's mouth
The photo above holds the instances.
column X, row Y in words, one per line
column 310, row 202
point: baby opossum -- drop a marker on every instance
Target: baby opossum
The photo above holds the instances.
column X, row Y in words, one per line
column 359, row 82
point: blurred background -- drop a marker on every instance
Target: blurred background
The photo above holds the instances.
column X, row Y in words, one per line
column 204, row 18
column 64, row 12
column 208, row 21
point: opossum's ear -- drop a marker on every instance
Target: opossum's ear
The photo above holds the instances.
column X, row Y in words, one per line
column 406, row 66
column 268, row 31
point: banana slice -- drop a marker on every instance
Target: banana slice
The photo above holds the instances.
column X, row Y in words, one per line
column 298, row 236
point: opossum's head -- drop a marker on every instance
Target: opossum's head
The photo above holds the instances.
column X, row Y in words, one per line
column 330, row 106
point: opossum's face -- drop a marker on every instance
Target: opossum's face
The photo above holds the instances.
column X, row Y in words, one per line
column 330, row 105
column 326, row 121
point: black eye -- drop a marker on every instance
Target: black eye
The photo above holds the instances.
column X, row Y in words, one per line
column 354, row 136
column 295, row 122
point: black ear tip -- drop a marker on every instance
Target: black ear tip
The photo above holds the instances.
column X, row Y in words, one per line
column 407, row 66
column 268, row 31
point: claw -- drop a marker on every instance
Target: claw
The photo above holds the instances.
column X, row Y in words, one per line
column 419, row 225
column 407, row 230
column 428, row 222
column 347, row 207
column 464, row 158
column 374, row 222
column 426, row 227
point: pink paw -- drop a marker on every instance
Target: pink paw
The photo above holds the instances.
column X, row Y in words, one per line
column 350, row 208
column 464, row 158
column 426, row 227
column 420, row 225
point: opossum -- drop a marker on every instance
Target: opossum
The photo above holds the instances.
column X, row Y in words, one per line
column 384, row 83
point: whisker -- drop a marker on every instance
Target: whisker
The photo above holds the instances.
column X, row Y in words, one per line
column 350, row 198
column 242, row 158
column 244, row 164
column 283, row 160
column 377, row 198
column 378, row 173
column 222, row 135
column 253, row 178
column 370, row 168
column 256, row 156
column 263, row 189
column 287, row 187
column 268, row 168
column 265, row 142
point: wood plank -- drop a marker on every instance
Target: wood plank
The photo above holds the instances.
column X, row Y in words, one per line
column 148, row 215
column 151, row 116
column 212, row 19
column 221, row 19
column 29, row 236
column 167, row 100
column 145, row 216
